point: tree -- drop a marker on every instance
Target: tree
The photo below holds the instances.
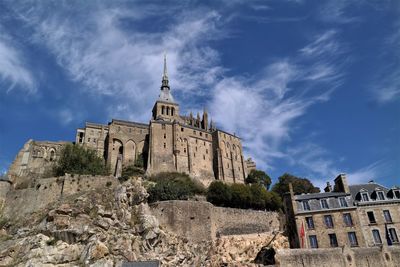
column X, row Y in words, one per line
column 76, row 159
column 300, row 185
column 219, row 194
column 258, row 177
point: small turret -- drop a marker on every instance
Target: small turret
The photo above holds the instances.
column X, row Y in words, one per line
column 198, row 123
column 204, row 122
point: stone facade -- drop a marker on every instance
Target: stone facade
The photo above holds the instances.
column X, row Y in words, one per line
column 169, row 143
column 34, row 159
column 355, row 215
column 379, row 212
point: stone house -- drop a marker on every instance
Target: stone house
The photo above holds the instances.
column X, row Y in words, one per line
column 363, row 215
column 323, row 220
column 379, row 212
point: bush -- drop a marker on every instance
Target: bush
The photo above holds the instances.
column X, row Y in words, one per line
column 173, row 186
column 219, row 194
column 129, row 171
column 75, row 159
column 243, row 196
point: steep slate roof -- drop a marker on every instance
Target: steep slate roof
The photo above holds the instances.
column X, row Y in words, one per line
column 369, row 187
column 165, row 95
column 320, row 195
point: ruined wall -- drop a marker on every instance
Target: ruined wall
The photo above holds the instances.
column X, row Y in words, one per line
column 200, row 220
column 45, row 191
column 339, row 257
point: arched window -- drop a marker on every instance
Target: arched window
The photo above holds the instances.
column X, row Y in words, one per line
column 52, row 155
column 172, row 111
column 167, row 110
column 162, row 110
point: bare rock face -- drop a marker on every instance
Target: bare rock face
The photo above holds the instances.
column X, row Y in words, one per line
column 110, row 226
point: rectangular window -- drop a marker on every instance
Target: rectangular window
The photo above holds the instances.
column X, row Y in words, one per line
column 165, row 145
column 348, row 221
column 397, row 194
column 393, row 235
column 184, row 150
column 165, row 136
column 333, row 240
column 388, row 217
column 352, row 239
column 328, row 221
column 204, row 157
column 201, row 134
column 206, row 151
column 371, row 217
column 364, row 197
column 310, row 222
column 194, row 132
column 181, row 129
column 324, row 204
column 306, row 205
column 377, row 237
column 313, row 241
column 206, row 135
column 343, row 202
column 163, row 126
column 381, row 196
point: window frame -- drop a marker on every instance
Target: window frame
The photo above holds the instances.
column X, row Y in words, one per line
column 310, row 223
column 306, row 205
column 364, row 194
column 350, row 220
column 334, row 244
column 369, row 218
column 324, row 204
column 396, row 240
column 380, row 194
column 352, row 236
column 313, row 241
column 375, row 237
column 329, row 218
column 342, row 200
column 387, row 215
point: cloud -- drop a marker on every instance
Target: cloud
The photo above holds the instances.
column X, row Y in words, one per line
column 263, row 109
column 13, row 70
column 373, row 171
column 334, row 11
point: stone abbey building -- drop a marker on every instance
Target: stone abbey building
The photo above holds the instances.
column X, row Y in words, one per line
column 170, row 142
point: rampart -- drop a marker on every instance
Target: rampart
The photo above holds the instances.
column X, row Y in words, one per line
column 45, row 191
column 200, row 220
column 340, row 257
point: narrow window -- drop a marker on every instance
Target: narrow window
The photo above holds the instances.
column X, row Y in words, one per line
column 393, row 235
column 342, row 202
column 194, row 154
column 228, row 165
column 204, row 157
column 324, row 204
column 204, row 143
column 163, row 126
column 167, row 110
column 397, row 194
column 206, row 151
column 165, row 145
column 181, row 129
column 333, row 240
column 201, row 134
column 162, row 110
column 328, row 221
column 184, row 150
column 194, row 132
column 206, row 135
column 313, row 241
column 371, row 217
column 227, row 155
column 388, row 217
column 352, row 239
column 348, row 221
column 306, row 205
column 365, row 197
column 381, row 196
column 377, row 237
column 310, row 223
column 165, row 136
column 172, row 111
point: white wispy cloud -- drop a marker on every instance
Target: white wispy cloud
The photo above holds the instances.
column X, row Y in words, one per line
column 263, row 109
column 336, row 11
column 14, row 73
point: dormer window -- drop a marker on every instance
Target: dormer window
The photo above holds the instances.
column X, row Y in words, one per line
column 306, row 205
column 342, row 202
column 324, row 204
column 396, row 194
column 381, row 195
column 364, row 197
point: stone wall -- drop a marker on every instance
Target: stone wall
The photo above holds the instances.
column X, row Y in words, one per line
column 45, row 191
column 4, row 188
column 339, row 257
column 200, row 220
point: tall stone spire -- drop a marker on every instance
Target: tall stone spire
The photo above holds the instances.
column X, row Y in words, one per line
column 165, row 94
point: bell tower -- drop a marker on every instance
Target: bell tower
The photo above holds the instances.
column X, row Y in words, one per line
column 165, row 107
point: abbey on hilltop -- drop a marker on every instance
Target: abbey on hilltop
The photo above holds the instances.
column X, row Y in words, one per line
column 169, row 143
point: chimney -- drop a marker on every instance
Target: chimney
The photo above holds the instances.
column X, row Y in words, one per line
column 341, row 184
column 328, row 187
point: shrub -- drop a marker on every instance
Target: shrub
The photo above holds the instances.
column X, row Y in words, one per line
column 219, row 194
column 243, row 196
column 173, row 186
column 129, row 171
column 76, row 159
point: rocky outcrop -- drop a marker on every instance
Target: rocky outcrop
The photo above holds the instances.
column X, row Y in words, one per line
column 109, row 226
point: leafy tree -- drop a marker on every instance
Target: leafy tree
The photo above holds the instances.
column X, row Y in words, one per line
column 76, row 159
column 300, row 185
column 259, row 177
column 241, row 196
column 129, row 171
column 219, row 194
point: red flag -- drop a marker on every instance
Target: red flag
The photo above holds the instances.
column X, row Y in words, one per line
column 302, row 234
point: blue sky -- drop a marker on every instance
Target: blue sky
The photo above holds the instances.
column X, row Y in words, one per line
column 312, row 87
